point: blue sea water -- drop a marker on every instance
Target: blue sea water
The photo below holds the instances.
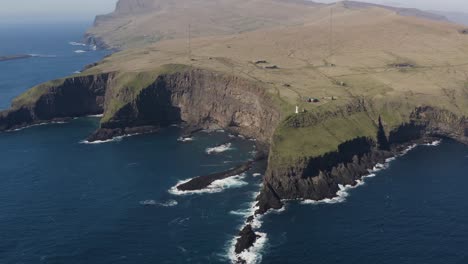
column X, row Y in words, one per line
column 65, row 202
column 62, row 201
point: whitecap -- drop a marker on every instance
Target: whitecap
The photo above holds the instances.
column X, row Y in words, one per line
column 42, row 56
column 80, row 51
column 76, row 72
column 114, row 139
column 185, row 139
column 98, row 115
column 257, row 174
column 168, row 203
column 433, row 143
column 219, row 149
column 35, row 125
column 73, row 43
column 215, row 187
column 253, row 254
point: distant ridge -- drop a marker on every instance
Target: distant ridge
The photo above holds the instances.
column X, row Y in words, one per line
column 137, row 23
column 401, row 11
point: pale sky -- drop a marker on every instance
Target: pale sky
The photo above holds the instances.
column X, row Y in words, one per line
column 436, row 5
column 53, row 10
column 69, row 10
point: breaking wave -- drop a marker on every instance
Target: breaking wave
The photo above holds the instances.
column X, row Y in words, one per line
column 168, row 203
column 434, row 143
column 99, row 115
column 80, row 51
column 215, row 187
column 342, row 193
column 73, row 43
column 185, row 139
column 35, row 125
column 115, row 139
column 42, row 56
column 252, row 255
column 219, row 149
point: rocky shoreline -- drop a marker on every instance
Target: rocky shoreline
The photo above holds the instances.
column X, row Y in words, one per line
column 202, row 99
column 104, row 134
column 248, row 235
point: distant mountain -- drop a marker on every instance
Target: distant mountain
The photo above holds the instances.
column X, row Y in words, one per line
column 399, row 10
column 456, row 17
column 137, row 23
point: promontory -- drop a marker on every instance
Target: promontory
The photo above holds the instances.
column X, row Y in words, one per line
column 330, row 89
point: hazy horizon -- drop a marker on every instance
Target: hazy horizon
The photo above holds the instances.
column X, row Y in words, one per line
column 27, row 11
column 33, row 11
column 432, row 5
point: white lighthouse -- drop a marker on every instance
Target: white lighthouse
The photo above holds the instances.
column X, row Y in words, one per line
column 297, row 109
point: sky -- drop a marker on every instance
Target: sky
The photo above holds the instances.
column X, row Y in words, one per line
column 436, row 5
column 85, row 10
column 53, row 10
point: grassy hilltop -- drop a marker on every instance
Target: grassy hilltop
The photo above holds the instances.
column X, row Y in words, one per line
column 392, row 63
column 360, row 64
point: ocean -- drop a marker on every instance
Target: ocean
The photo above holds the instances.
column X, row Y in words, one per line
column 66, row 202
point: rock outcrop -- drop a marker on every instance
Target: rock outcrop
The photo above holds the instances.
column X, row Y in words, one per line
column 200, row 99
column 72, row 97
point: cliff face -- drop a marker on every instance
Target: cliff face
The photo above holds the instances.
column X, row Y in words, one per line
column 201, row 99
column 317, row 178
column 76, row 96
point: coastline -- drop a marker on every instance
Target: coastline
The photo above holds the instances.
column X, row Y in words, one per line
column 245, row 250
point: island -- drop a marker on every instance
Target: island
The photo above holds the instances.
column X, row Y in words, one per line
column 15, row 57
column 331, row 90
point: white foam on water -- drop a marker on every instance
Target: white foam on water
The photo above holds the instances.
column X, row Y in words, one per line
column 215, row 187
column 219, row 149
column 114, row 139
column 80, row 51
column 42, row 56
column 99, row 115
column 253, row 254
column 73, row 43
column 76, row 72
column 343, row 191
column 168, row 203
column 257, row 174
column 185, row 139
column 434, row 143
column 35, row 125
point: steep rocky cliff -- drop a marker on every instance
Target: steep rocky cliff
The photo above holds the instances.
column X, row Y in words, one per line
column 318, row 177
column 198, row 98
column 71, row 97
column 139, row 102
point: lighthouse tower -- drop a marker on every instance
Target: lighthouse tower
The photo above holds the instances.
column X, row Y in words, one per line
column 297, row 109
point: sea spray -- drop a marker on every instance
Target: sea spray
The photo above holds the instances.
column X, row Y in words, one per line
column 219, row 149
column 215, row 187
column 168, row 203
